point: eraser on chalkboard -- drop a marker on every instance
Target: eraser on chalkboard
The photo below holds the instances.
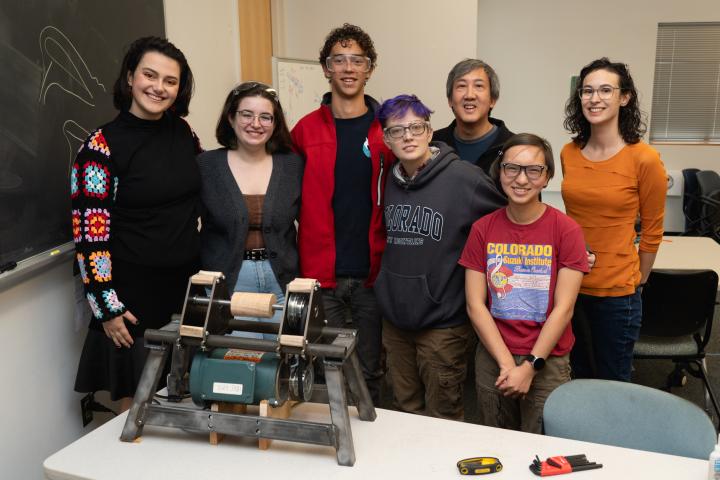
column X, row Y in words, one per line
column 6, row 267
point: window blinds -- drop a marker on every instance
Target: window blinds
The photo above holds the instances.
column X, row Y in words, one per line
column 686, row 89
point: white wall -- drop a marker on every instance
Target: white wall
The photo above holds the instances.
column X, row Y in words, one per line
column 537, row 46
column 417, row 41
column 209, row 36
column 40, row 412
column 40, row 347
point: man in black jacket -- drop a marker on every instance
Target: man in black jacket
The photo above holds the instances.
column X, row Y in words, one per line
column 472, row 90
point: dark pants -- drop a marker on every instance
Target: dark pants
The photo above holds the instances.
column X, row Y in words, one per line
column 525, row 414
column 606, row 329
column 352, row 305
column 428, row 368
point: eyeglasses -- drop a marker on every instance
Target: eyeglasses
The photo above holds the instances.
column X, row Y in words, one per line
column 398, row 131
column 357, row 63
column 532, row 172
column 247, row 117
column 247, row 86
column 603, row 91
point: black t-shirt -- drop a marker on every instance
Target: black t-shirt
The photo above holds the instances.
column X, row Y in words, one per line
column 472, row 150
column 352, row 203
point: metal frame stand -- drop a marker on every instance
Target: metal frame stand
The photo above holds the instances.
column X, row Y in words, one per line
column 344, row 385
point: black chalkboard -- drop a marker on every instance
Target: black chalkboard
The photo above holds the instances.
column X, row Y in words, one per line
column 58, row 63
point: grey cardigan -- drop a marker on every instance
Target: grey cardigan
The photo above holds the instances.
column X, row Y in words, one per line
column 225, row 216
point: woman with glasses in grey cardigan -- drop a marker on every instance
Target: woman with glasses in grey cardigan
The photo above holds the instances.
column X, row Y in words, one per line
column 251, row 195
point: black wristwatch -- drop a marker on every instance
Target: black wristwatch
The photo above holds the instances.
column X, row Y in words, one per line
column 538, row 363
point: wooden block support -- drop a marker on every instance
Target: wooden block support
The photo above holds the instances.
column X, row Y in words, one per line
column 292, row 341
column 190, row 331
column 245, row 304
column 275, row 412
column 224, row 407
column 204, row 277
column 265, row 411
column 302, row 285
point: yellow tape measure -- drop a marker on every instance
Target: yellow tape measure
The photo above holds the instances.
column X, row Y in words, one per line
column 479, row 465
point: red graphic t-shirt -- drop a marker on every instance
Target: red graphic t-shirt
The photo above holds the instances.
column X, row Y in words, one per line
column 521, row 264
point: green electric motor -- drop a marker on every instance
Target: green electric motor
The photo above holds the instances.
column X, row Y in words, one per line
column 236, row 376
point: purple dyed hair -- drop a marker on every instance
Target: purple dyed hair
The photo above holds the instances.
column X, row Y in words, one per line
column 397, row 107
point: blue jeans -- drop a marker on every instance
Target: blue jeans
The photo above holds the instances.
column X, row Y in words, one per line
column 352, row 305
column 606, row 329
column 256, row 276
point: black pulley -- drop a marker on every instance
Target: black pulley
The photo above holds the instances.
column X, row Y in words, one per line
column 296, row 313
column 302, row 378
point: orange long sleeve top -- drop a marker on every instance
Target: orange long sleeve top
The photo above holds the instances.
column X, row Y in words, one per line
column 605, row 198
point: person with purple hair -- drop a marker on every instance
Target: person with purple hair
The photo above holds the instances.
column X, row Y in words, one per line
column 431, row 201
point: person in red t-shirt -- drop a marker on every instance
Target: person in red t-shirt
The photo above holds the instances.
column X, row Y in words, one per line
column 524, row 265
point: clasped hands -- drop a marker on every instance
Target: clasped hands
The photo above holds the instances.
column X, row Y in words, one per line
column 515, row 380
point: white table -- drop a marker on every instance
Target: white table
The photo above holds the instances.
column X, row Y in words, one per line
column 395, row 446
column 688, row 253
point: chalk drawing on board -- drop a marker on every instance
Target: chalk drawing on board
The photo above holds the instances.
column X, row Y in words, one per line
column 75, row 135
column 53, row 86
column 300, row 85
column 60, row 55
column 58, row 52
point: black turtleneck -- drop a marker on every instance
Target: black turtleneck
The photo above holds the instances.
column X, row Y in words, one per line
column 157, row 206
column 135, row 190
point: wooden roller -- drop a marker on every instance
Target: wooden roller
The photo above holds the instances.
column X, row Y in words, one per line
column 244, row 304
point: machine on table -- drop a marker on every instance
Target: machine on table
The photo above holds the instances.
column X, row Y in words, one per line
column 244, row 371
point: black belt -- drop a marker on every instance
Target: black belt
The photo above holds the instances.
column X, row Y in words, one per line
column 255, row 254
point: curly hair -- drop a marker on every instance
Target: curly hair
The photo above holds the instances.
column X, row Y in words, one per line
column 122, row 93
column 344, row 35
column 631, row 121
column 279, row 141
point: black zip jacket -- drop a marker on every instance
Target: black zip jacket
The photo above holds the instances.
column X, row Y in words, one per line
column 485, row 160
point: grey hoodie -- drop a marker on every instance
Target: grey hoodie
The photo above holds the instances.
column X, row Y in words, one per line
column 428, row 219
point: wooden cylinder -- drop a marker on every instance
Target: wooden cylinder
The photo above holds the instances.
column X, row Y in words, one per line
column 245, row 304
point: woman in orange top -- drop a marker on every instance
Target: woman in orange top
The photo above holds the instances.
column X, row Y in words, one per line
column 609, row 178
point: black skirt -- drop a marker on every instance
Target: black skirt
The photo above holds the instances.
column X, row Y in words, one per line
column 153, row 295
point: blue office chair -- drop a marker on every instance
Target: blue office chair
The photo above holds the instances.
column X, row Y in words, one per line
column 628, row 415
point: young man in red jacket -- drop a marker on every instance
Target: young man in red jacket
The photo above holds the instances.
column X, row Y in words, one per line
column 341, row 234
